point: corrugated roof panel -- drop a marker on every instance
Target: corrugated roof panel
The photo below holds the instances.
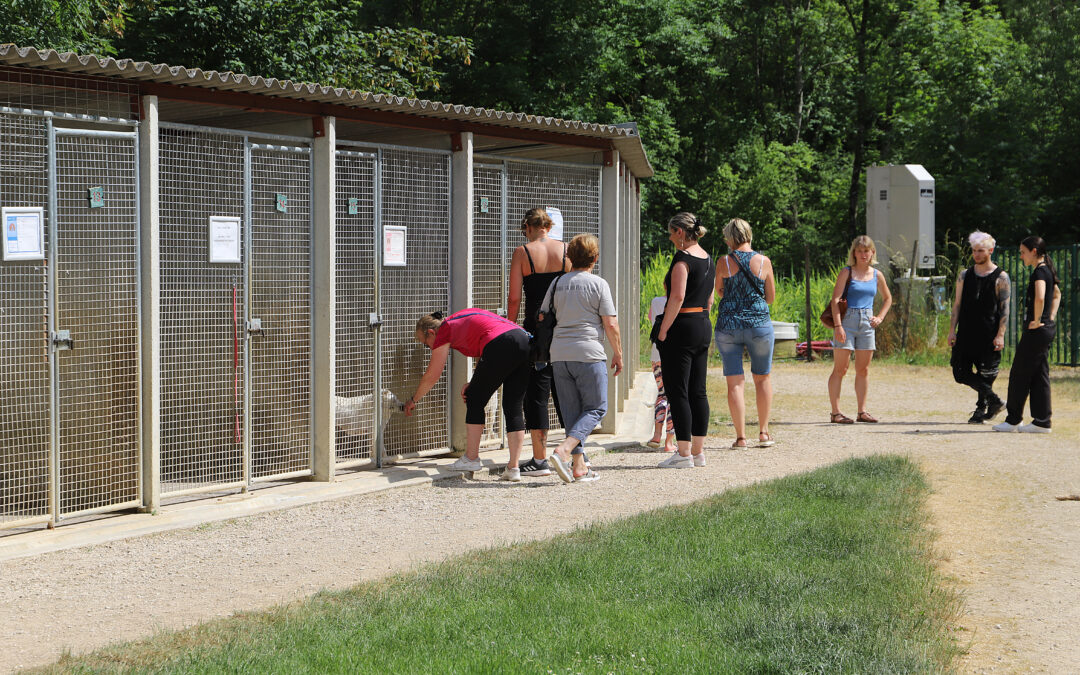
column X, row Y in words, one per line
column 624, row 140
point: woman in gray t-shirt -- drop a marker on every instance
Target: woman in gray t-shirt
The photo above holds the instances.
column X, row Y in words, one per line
column 584, row 313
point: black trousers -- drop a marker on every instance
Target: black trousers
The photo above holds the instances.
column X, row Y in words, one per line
column 536, row 398
column 505, row 361
column 1030, row 376
column 684, row 359
column 975, row 364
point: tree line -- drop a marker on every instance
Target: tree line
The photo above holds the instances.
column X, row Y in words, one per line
column 765, row 109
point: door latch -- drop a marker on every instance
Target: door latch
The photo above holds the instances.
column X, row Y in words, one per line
column 374, row 319
column 62, row 341
column 254, row 327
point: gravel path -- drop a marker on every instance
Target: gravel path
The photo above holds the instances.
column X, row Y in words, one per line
column 1009, row 544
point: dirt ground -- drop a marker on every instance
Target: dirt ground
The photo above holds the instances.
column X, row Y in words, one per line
column 1012, row 549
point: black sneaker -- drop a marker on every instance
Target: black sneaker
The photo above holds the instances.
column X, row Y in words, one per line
column 996, row 406
column 978, row 417
column 535, row 468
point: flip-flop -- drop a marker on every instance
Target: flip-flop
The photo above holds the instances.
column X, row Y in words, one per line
column 768, row 442
column 588, row 477
column 560, row 468
column 736, row 446
column 654, row 444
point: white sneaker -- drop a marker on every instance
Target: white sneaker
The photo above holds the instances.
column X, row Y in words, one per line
column 1033, row 429
column 465, row 464
column 699, row 460
column 1005, row 426
column 512, row 475
column 676, row 461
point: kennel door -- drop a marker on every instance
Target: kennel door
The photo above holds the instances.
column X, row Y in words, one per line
column 279, row 315
column 95, row 319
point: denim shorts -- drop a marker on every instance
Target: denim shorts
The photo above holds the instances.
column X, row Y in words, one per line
column 757, row 340
column 857, row 331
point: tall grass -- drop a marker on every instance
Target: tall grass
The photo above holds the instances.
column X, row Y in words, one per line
column 831, row 571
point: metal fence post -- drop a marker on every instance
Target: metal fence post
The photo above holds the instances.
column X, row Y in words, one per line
column 609, row 264
column 150, row 300
column 376, row 324
column 245, row 472
column 54, row 402
column 323, row 300
column 461, row 272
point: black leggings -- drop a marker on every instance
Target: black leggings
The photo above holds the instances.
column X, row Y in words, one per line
column 1030, row 376
column 536, row 399
column 504, row 361
column 684, row 359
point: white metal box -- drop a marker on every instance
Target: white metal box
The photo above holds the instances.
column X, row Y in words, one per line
column 900, row 211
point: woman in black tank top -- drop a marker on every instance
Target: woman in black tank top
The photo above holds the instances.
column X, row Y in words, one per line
column 684, row 338
column 526, row 276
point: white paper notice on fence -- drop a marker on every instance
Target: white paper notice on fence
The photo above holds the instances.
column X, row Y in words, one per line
column 24, row 233
column 224, row 239
column 556, row 222
column 393, row 246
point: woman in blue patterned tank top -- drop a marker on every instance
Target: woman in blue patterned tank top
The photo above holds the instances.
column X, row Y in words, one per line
column 746, row 288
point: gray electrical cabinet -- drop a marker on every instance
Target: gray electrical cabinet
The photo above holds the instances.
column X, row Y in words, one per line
column 899, row 212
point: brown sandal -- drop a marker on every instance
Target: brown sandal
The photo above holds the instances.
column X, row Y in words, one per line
column 739, row 444
column 866, row 417
column 840, row 418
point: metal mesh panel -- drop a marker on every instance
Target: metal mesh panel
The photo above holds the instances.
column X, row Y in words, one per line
column 281, row 297
column 97, row 300
column 490, row 264
column 355, row 345
column 201, row 175
column 74, row 95
column 24, row 388
column 574, row 191
column 415, row 188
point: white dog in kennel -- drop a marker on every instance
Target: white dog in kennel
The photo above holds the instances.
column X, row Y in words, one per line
column 355, row 415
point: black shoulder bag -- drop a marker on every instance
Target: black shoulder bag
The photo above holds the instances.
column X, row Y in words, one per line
column 540, row 347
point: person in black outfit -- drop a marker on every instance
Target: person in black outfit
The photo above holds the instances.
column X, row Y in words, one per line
column 1030, row 374
column 533, row 267
column 977, row 330
column 683, row 339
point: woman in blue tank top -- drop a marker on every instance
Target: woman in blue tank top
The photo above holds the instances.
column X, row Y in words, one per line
column 854, row 331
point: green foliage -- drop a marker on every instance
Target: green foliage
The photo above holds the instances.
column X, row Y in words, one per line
column 830, row 571
column 85, row 26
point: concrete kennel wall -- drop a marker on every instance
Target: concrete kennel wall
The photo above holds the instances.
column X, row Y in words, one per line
column 458, row 257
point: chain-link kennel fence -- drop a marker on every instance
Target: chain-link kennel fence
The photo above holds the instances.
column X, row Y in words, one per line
column 414, row 194
column 235, row 308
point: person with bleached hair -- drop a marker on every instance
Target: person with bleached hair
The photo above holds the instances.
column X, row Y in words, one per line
column 980, row 314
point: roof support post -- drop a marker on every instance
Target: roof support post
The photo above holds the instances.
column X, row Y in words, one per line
column 461, row 272
column 323, row 298
column 610, row 187
column 150, row 300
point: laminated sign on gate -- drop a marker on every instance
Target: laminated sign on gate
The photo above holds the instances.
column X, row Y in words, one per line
column 224, row 233
column 556, row 222
column 393, row 246
column 24, row 233
column 96, row 195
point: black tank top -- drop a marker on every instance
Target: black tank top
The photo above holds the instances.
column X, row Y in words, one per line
column 535, row 286
column 699, row 280
column 979, row 314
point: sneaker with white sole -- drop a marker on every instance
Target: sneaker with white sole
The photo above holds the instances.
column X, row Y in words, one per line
column 465, row 464
column 562, row 469
column 532, row 467
column 699, row 460
column 677, row 461
column 1005, row 426
column 1033, row 429
column 512, row 475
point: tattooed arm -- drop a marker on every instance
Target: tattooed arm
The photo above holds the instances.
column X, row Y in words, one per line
column 1004, row 290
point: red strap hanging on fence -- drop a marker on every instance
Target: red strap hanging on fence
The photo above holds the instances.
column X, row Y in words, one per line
column 236, row 363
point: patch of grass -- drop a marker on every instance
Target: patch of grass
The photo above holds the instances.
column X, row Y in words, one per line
column 829, row 571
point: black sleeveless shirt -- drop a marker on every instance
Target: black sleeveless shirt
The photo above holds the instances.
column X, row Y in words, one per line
column 979, row 311
column 535, row 286
column 699, row 279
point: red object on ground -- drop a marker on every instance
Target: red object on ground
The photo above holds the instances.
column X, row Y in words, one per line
column 818, row 346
